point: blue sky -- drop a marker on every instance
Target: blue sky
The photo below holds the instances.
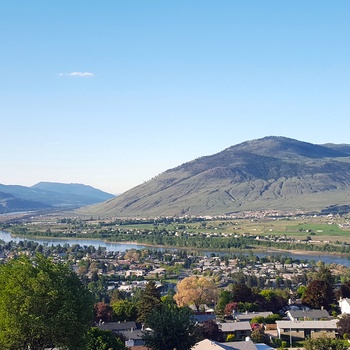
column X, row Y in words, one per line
column 111, row 93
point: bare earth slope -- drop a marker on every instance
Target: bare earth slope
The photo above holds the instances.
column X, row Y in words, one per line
column 269, row 173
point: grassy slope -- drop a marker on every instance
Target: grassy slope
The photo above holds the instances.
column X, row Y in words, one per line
column 271, row 173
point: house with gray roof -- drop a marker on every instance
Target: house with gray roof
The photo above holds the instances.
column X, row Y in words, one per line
column 133, row 337
column 306, row 329
column 248, row 316
column 117, row 327
column 305, row 315
column 207, row 344
column 241, row 330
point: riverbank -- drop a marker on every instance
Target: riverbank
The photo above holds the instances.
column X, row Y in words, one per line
column 328, row 258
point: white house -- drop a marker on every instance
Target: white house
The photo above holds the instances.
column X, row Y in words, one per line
column 344, row 304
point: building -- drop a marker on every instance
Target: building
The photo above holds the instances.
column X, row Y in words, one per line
column 117, row 327
column 344, row 304
column 133, row 337
column 307, row 315
column 207, row 344
column 241, row 330
column 306, row 329
column 248, row 316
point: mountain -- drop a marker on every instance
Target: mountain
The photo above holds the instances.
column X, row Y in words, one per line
column 272, row 173
column 87, row 193
column 48, row 195
column 10, row 204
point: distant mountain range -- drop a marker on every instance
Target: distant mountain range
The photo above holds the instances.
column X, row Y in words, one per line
column 48, row 195
column 272, row 173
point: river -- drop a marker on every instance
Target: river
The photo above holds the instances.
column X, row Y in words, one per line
column 122, row 247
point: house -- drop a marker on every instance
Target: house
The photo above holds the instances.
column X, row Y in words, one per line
column 133, row 337
column 158, row 272
column 134, row 273
column 203, row 318
column 117, row 327
column 203, row 309
column 165, row 288
column 248, row 316
column 305, row 315
column 207, row 344
column 344, row 304
column 240, row 330
column 304, row 329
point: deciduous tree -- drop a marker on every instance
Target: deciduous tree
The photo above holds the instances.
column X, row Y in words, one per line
column 210, row 330
column 124, row 310
column 344, row 326
column 195, row 291
column 42, row 304
column 99, row 339
column 345, row 290
column 258, row 335
column 102, row 312
column 230, row 308
column 225, row 297
column 324, row 343
column 318, row 294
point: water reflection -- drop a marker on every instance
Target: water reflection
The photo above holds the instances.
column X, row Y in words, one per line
column 122, row 247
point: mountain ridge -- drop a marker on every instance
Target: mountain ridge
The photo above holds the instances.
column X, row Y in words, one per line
column 48, row 196
column 271, row 173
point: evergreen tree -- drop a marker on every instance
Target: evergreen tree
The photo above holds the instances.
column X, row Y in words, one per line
column 172, row 327
column 150, row 300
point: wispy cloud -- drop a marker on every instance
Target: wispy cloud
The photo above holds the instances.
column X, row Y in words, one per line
column 77, row 74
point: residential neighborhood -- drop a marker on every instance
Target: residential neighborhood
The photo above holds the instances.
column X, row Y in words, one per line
column 264, row 303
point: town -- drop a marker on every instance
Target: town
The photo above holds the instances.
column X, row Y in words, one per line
column 244, row 298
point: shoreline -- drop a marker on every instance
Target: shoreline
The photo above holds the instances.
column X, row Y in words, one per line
column 251, row 250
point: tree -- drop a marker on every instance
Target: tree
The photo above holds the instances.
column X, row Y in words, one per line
column 172, row 327
column 124, row 310
column 344, row 326
column 210, row 330
column 318, row 294
column 150, row 299
column 230, row 337
column 242, row 293
column 230, row 308
column 42, row 304
column 345, row 290
column 257, row 319
column 99, row 339
column 225, row 297
column 324, row 273
column 324, row 343
column 102, row 312
column 195, row 291
column 273, row 300
column 301, row 291
column 271, row 319
column 258, row 335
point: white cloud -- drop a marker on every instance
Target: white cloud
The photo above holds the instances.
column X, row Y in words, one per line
column 77, row 74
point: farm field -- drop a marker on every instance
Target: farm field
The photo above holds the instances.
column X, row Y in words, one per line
column 316, row 228
column 311, row 228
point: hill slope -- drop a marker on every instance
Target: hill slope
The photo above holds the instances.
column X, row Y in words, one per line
column 268, row 173
column 46, row 195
